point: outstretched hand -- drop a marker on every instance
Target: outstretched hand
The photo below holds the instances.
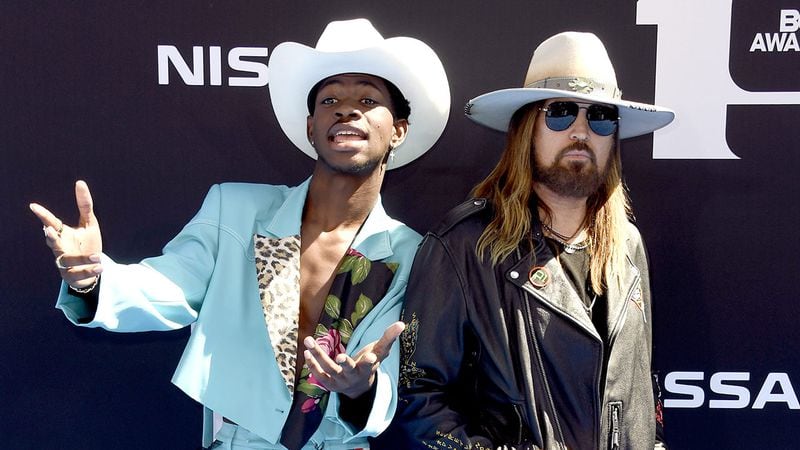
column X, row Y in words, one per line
column 350, row 376
column 77, row 250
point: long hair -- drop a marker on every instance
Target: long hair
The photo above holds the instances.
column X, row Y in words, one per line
column 509, row 187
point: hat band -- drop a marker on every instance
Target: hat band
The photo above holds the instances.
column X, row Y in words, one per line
column 578, row 84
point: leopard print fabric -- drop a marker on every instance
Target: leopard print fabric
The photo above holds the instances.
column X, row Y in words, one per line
column 278, row 272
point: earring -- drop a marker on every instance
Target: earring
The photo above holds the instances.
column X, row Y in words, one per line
column 391, row 156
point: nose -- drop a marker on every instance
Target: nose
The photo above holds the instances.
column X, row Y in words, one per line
column 579, row 131
column 348, row 109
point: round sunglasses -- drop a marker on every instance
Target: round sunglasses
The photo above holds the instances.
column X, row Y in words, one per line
column 602, row 119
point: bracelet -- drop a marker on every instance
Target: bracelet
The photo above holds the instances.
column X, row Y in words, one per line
column 87, row 289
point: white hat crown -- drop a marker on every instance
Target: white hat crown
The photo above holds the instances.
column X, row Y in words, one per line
column 338, row 36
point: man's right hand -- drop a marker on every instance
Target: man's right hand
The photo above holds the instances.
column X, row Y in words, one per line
column 76, row 250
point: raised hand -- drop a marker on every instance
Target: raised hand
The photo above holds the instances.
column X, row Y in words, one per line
column 76, row 250
column 350, row 376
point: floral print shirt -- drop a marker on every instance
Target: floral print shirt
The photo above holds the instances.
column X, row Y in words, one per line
column 358, row 286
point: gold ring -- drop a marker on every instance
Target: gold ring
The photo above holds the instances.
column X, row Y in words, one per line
column 59, row 265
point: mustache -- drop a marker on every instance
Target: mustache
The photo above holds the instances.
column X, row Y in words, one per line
column 578, row 146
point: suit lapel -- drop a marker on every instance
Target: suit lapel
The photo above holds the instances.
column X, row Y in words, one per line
column 278, row 273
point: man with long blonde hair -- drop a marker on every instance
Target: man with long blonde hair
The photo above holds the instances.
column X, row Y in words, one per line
column 532, row 299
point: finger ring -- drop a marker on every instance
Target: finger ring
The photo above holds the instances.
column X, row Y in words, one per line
column 45, row 231
column 60, row 229
column 59, row 265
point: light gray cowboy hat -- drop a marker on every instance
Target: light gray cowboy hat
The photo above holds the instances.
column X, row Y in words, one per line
column 574, row 65
column 355, row 46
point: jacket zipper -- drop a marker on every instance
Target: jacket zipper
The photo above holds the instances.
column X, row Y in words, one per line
column 615, row 408
column 597, row 372
column 533, row 343
column 521, row 421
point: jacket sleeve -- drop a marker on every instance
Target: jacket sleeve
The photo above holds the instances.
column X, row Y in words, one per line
column 370, row 414
column 432, row 412
column 642, row 261
column 160, row 293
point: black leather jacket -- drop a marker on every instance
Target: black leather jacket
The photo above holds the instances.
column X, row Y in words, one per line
column 490, row 361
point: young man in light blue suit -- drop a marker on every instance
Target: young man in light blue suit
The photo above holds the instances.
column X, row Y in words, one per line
column 262, row 268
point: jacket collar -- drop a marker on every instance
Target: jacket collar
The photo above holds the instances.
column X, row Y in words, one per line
column 540, row 273
column 372, row 240
column 286, row 220
column 559, row 293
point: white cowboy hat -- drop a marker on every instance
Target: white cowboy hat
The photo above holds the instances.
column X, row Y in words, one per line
column 574, row 65
column 355, row 46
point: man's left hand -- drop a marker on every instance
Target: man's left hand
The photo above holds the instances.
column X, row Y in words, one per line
column 350, row 376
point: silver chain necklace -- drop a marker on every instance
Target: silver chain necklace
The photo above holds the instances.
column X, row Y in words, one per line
column 555, row 233
column 561, row 239
column 588, row 309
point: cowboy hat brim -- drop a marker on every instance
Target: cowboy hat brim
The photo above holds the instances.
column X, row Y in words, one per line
column 408, row 63
column 494, row 109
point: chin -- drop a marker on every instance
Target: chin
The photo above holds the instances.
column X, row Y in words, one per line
column 354, row 168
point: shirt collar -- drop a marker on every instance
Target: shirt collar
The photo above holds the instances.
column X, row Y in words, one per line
column 373, row 239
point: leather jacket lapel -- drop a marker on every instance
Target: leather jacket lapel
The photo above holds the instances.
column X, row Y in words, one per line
column 622, row 296
column 542, row 276
column 558, row 293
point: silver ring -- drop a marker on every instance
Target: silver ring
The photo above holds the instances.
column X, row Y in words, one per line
column 44, row 228
column 59, row 265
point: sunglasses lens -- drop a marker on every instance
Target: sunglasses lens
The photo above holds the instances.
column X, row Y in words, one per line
column 560, row 115
column 602, row 119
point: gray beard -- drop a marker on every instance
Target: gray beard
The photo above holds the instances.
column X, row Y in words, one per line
column 577, row 179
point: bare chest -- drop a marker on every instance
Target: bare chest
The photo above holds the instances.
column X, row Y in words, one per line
column 320, row 257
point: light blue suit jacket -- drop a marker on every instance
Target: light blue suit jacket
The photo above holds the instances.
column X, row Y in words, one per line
column 207, row 276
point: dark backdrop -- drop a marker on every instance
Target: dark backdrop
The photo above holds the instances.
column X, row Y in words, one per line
column 80, row 99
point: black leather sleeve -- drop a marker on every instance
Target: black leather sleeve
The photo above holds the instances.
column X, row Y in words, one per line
column 434, row 410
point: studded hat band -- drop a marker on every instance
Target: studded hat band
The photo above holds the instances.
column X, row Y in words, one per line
column 578, row 84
